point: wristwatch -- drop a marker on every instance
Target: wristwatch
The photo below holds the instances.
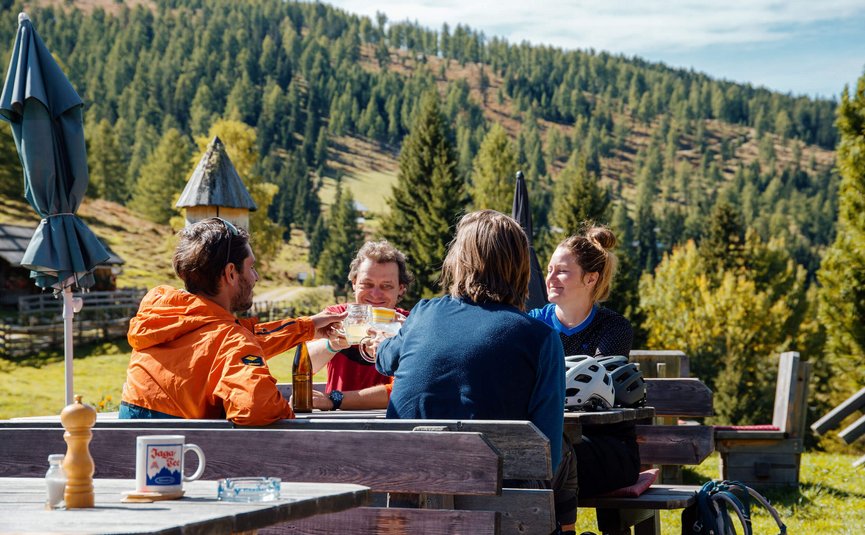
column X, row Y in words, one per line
column 335, row 398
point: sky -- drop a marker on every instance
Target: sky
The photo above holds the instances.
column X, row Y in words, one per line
column 803, row 47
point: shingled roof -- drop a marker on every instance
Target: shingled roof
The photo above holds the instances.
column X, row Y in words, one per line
column 215, row 182
column 14, row 240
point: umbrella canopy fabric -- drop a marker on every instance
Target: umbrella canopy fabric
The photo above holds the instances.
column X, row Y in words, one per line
column 522, row 212
column 46, row 117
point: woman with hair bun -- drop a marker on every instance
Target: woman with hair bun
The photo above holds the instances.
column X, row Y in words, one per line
column 578, row 279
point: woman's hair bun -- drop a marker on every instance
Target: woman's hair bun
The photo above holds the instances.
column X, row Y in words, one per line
column 602, row 235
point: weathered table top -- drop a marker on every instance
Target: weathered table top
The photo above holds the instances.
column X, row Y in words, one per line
column 22, row 502
column 587, row 418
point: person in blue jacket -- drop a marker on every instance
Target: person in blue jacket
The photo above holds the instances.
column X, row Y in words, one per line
column 474, row 353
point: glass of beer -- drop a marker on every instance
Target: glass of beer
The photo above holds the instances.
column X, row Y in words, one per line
column 356, row 324
column 385, row 323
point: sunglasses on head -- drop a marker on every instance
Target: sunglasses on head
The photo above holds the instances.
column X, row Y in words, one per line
column 232, row 231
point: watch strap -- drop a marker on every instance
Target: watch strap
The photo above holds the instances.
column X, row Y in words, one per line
column 335, row 398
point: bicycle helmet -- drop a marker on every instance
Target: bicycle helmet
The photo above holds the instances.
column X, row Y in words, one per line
column 588, row 386
column 629, row 386
column 612, row 362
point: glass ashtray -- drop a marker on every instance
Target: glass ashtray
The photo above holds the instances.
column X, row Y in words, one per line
column 248, row 489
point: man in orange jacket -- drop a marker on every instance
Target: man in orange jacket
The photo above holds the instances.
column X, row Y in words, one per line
column 191, row 358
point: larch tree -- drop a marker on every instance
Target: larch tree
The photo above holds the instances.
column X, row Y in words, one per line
column 842, row 271
column 344, row 238
column 427, row 199
column 105, row 160
column 578, row 197
column 162, row 178
column 494, row 168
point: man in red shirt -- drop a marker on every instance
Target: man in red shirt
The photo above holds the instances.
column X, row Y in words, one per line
column 379, row 277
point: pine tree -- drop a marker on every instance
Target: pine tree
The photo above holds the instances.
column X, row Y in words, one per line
column 842, row 271
column 162, row 178
column 202, row 110
column 428, row 197
column 578, row 198
column 317, row 240
column 344, row 238
column 146, row 138
column 723, row 244
column 647, row 256
column 494, row 167
column 105, row 160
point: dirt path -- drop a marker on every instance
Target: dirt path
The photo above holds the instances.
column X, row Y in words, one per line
column 277, row 294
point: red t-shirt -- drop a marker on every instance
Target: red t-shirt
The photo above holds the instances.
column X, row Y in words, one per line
column 347, row 371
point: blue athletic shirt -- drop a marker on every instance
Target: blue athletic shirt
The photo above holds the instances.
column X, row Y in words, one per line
column 602, row 333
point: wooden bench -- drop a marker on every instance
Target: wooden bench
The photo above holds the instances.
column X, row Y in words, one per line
column 524, row 451
column 662, row 445
column 770, row 457
column 833, row 419
column 674, row 363
column 525, row 455
column 414, row 462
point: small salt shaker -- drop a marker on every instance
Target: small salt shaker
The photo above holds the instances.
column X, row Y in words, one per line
column 55, row 481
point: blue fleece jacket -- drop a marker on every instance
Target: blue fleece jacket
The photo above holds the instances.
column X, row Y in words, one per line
column 456, row 359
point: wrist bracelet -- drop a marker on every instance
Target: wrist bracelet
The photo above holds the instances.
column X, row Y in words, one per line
column 329, row 348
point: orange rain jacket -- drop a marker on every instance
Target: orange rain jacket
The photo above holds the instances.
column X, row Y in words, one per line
column 193, row 359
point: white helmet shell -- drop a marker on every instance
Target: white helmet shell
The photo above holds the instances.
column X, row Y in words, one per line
column 587, row 384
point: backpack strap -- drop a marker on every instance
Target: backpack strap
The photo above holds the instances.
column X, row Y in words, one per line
column 721, row 500
column 704, row 507
column 741, row 491
column 765, row 503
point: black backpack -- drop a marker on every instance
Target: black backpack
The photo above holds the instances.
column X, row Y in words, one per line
column 716, row 506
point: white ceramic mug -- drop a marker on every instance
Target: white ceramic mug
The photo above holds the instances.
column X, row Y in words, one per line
column 159, row 463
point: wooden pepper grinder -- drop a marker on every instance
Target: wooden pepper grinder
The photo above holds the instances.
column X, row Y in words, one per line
column 78, row 418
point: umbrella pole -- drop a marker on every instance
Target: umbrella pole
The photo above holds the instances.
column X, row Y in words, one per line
column 68, row 314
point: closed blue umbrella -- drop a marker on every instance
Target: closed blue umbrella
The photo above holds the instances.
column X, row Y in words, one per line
column 46, row 117
column 522, row 212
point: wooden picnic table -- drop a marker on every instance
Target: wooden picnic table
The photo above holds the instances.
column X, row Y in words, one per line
column 22, row 508
column 611, row 416
column 571, row 418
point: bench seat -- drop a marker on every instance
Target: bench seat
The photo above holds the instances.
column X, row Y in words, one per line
column 656, row 497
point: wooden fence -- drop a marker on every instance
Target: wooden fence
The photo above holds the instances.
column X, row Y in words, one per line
column 105, row 316
column 39, row 324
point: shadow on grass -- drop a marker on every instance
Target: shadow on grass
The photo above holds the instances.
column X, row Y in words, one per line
column 806, row 494
column 81, row 351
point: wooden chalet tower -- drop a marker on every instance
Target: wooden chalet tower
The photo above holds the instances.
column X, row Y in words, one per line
column 216, row 190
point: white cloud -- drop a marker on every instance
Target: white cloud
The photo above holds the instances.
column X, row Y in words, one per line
column 618, row 25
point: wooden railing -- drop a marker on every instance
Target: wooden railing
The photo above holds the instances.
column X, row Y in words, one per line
column 48, row 303
column 39, row 324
